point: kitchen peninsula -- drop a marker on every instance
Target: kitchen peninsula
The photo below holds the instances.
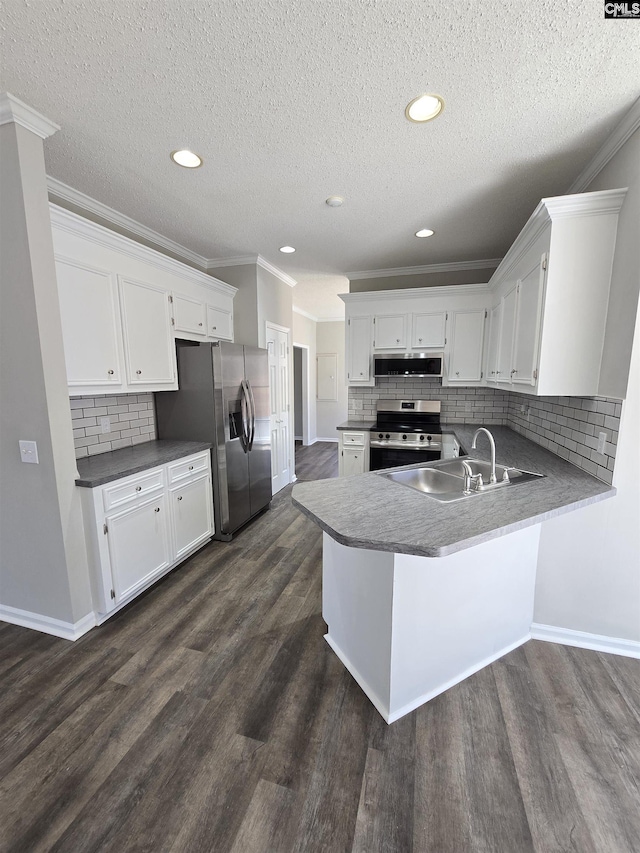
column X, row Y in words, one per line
column 418, row 594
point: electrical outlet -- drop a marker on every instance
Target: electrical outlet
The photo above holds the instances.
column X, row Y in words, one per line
column 602, row 439
column 105, row 424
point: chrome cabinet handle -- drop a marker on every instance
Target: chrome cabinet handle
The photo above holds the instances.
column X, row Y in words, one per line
column 110, row 372
column 191, row 467
column 138, row 488
column 199, row 324
column 179, row 497
column 457, row 373
column 138, row 372
column 157, row 509
column 213, row 328
column 513, row 371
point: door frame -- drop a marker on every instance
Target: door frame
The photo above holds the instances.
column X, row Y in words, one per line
column 292, row 442
column 306, row 378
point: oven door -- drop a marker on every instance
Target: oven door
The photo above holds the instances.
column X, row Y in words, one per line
column 393, row 457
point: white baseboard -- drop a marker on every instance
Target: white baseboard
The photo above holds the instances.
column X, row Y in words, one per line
column 328, row 439
column 584, row 640
column 416, row 703
column 46, row 624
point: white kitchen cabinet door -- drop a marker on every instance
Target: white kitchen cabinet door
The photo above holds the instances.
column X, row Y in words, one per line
column 358, row 350
column 467, row 339
column 491, row 367
column 189, row 315
column 150, row 355
column 527, row 325
column 139, row 546
column 429, row 330
column 89, row 313
column 191, row 514
column 390, row 331
column 505, row 345
column 353, row 461
column 219, row 323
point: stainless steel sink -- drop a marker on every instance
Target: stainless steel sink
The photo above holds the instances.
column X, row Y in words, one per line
column 444, row 480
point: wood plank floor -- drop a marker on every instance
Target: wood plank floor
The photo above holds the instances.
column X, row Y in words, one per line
column 210, row 715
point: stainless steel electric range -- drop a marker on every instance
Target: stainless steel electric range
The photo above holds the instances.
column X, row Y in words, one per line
column 406, row 431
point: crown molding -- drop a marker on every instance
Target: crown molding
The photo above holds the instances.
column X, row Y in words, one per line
column 620, row 134
column 58, row 190
column 306, row 314
column 258, row 260
column 428, row 268
column 215, row 263
column 413, row 292
column 66, row 220
column 553, row 209
column 330, row 319
column 12, row 109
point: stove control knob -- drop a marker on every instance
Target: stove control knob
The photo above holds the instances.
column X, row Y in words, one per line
column 428, row 438
column 421, row 438
column 387, row 435
column 404, row 436
column 379, row 435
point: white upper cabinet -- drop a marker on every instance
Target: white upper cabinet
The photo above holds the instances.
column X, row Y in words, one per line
column 219, row 323
column 358, row 350
column 429, row 330
column 89, row 312
column 553, row 292
column 467, row 339
column 493, row 345
column 123, row 304
column 420, row 322
column 190, row 315
column 390, row 332
column 150, row 355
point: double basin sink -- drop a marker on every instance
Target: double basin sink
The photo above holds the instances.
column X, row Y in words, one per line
column 445, row 480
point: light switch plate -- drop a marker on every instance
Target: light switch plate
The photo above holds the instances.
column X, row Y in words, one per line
column 29, row 451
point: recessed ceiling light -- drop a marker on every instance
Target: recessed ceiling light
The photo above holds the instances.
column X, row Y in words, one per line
column 424, row 232
column 287, row 249
column 424, row 108
column 186, row 158
column 334, row 201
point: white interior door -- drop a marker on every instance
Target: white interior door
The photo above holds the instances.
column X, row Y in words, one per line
column 280, row 409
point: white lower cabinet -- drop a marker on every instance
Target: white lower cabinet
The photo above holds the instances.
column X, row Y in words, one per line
column 353, row 453
column 140, row 527
column 139, row 547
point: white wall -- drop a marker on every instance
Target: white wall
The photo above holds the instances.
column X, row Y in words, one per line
column 330, row 338
column 245, row 302
column 275, row 305
column 304, row 334
column 589, row 562
column 43, row 565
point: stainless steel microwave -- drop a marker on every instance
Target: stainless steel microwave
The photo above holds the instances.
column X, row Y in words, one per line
column 408, row 364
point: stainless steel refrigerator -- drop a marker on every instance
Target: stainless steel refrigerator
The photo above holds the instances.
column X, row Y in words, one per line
column 224, row 399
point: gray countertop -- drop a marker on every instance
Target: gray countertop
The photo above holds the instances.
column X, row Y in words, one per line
column 366, row 426
column 369, row 511
column 105, row 467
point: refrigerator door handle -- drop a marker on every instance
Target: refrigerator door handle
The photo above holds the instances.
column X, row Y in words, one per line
column 245, row 408
column 252, row 402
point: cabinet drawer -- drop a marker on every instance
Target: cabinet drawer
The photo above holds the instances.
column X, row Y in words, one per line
column 137, row 487
column 188, row 467
column 353, row 438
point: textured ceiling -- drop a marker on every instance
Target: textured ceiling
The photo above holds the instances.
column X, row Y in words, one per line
column 290, row 101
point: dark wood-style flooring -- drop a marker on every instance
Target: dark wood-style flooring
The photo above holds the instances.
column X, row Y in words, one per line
column 210, row 715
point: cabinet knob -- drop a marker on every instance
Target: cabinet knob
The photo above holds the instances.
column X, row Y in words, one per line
column 191, row 467
column 179, row 497
column 138, row 488
column 157, row 509
column 457, row 373
column 361, row 373
column 110, row 372
column 199, row 324
column 138, row 372
column 397, row 340
column 513, row 371
column 419, row 340
column 213, row 328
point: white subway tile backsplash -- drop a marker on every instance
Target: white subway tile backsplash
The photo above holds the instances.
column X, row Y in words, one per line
column 132, row 419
